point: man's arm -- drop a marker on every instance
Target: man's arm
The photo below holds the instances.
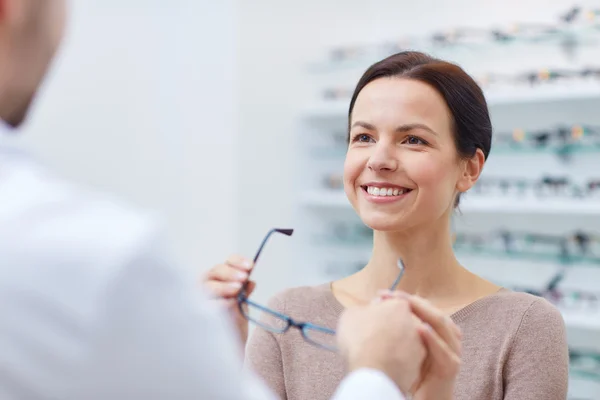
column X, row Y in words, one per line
column 161, row 337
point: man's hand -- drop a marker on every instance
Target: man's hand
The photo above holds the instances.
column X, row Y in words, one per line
column 385, row 336
column 442, row 338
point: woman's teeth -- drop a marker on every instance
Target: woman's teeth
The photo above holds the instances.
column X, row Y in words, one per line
column 377, row 191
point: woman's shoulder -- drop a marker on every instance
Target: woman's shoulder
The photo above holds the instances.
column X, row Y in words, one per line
column 524, row 303
column 517, row 312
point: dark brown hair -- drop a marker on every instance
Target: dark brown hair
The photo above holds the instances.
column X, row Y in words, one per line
column 472, row 127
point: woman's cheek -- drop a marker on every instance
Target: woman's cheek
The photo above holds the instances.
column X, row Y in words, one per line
column 424, row 170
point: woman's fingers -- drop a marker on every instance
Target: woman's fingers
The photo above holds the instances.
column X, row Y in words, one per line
column 228, row 289
column 441, row 323
column 446, row 361
column 227, row 279
column 227, row 273
column 240, row 262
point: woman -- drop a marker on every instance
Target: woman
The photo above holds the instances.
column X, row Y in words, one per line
column 419, row 136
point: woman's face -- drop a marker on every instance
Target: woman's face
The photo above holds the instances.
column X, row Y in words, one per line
column 402, row 169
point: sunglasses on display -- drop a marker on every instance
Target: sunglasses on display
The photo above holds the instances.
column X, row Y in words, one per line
column 276, row 322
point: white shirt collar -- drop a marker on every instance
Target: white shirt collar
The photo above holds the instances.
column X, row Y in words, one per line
column 5, row 128
column 8, row 136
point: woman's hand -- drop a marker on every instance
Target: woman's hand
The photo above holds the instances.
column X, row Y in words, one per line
column 442, row 338
column 225, row 281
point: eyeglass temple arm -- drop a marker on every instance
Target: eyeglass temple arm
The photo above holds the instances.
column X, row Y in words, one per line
column 287, row 232
column 399, row 277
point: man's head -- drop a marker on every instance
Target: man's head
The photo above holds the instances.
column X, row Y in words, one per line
column 30, row 33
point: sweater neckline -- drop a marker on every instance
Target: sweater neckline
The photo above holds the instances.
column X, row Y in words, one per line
column 457, row 316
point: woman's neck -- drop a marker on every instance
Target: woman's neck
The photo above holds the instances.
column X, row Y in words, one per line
column 431, row 269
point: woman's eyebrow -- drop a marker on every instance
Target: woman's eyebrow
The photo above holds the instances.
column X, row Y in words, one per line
column 400, row 129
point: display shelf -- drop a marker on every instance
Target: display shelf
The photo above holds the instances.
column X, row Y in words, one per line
column 564, row 37
column 583, row 321
column 583, row 329
column 550, row 258
column 475, row 204
column 583, row 388
column 544, row 93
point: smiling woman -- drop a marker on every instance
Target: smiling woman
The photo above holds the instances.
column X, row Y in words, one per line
column 419, row 134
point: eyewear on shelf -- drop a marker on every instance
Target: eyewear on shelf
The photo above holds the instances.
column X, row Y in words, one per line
column 524, row 32
column 562, row 136
column 582, row 240
column 577, row 13
column 531, row 78
column 277, row 322
column 464, row 35
column 539, row 77
column 566, row 299
column 580, row 244
column 584, row 365
column 553, row 186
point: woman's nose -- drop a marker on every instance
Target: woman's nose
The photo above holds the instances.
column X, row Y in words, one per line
column 383, row 159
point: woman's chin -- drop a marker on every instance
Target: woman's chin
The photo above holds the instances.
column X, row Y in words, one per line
column 385, row 224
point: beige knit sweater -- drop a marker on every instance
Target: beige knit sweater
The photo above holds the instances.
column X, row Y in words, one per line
column 514, row 348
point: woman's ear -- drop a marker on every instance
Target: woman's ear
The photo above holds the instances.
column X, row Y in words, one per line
column 471, row 171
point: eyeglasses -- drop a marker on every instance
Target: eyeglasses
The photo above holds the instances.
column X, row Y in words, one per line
column 561, row 139
column 576, row 247
column 574, row 17
column 277, row 322
column 539, row 77
column 547, row 186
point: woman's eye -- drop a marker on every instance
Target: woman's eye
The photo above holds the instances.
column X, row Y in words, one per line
column 362, row 138
column 415, row 140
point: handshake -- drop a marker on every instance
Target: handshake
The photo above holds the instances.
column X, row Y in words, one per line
column 404, row 336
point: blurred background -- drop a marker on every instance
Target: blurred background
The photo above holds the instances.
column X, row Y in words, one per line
column 228, row 118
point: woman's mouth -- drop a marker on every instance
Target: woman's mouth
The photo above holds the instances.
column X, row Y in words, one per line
column 377, row 191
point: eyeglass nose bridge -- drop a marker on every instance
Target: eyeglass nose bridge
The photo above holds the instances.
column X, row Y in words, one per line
column 287, row 323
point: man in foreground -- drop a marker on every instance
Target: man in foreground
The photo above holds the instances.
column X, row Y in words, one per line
column 92, row 307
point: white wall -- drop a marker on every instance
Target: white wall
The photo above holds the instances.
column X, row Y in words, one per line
column 276, row 42
column 141, row 102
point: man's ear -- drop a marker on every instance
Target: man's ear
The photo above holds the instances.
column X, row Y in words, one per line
column 471, row 171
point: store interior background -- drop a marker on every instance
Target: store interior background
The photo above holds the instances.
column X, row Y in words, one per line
column 197, row 110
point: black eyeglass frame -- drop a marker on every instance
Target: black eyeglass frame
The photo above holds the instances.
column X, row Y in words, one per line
column 288, row 322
